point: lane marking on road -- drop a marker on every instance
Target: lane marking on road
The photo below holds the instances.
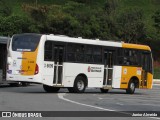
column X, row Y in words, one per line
column 152, row 100
column 119, row 104
column 61, row 96
column 130, row 101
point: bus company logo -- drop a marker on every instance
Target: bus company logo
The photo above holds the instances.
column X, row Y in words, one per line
column 139, row 71
column 94, row 69
column 89, row 69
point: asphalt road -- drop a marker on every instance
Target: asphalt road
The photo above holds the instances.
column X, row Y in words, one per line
column 34, row 98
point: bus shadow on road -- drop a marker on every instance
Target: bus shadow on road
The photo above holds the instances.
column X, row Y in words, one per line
column 35, row 89
column 11, row 86
column 99, row 93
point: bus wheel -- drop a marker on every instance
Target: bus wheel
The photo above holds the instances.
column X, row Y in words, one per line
column 131, row 87
column 50, row 89
column 104, row 90
column 79, row 85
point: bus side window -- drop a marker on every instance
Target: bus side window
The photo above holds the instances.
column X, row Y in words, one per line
column 89, row 54
column 97, row 55
column 71, row 52
column 120, row 56
column 48, row 51
column 128, row 57
column 79, row 53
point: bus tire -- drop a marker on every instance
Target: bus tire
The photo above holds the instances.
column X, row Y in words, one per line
column 79, row 85
column 104, row 90
column 131, row 87
column 50, row 89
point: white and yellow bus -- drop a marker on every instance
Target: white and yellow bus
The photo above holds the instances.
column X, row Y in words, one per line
column 58, row 61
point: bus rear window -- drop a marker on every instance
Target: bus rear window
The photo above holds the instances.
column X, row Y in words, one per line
column 25, row 42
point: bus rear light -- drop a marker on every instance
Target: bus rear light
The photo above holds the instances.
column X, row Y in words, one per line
column 36, row 69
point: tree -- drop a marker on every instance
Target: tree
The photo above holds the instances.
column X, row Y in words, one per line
column 110, row 6
column 131, row 28
column 156, row 18
column 15, row 24
column 5, row 9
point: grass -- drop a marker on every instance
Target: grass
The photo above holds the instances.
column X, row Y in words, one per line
column 157, row 73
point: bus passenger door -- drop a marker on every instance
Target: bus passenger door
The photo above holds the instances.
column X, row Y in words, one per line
column 108, row 68
column 58, row 66
column 145, row 58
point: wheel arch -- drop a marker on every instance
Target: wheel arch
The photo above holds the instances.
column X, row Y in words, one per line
column 135, row 79
column 84, row 76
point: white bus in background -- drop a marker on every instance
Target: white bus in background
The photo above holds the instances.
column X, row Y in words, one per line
column 58, row 61
column 4, row 43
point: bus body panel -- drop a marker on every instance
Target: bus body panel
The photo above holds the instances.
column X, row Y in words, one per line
column 129, row 72
column 150, row 80
column 117, row 73
column 14, row 63
column 29, row 61
column 48, row 73
column 22, row 63
column 93, row 72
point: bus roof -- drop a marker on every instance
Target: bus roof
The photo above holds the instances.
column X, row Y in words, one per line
column 97, row 42
column 136, row 46
column 83, row 41
column 64, row 38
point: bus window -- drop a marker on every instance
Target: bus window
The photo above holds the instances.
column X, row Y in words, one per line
column 71, row 52
column 25, row 42
column 48, row 51
column 129, row 57
column 79, row 53
column 89, row 54
column 97, row 55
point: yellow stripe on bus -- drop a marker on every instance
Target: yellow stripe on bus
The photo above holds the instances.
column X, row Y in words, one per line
column 135, row 46
column 29, row 63
column 127, row 73
column 149, row 80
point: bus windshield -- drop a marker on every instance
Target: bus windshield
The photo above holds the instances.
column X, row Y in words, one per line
column 28, row 42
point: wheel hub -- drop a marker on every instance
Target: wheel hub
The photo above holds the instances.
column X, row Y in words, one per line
column 80, row 85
